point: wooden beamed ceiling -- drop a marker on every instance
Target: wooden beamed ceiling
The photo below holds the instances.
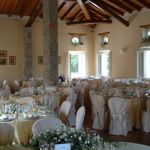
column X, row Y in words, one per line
column 87, row 12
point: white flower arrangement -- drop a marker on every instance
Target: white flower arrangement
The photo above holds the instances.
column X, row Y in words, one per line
column 79, row 139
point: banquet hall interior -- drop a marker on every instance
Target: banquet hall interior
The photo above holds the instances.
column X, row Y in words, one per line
column 72, row 66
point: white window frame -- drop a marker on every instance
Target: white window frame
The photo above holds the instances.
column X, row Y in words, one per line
column 141, row 66
column 80, row 65
column 97, row 66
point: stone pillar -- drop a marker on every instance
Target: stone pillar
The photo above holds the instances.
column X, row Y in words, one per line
column 28, row 52
column 50, row 31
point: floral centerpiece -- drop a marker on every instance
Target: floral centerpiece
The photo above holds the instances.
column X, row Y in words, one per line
column 79, row 139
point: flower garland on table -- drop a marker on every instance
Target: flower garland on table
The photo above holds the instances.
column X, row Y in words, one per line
column 79, row 139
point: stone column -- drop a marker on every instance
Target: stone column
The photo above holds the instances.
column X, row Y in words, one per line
column 50, row 31
column 28, row 52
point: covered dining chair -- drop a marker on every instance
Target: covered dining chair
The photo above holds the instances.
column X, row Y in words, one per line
column 146, row 117
column 72, row 117
column 6, row 134
column 80, row 117
column 120, row 123
column 44, row 124
column 98, row 110
column 64, row 111
column 51, row 101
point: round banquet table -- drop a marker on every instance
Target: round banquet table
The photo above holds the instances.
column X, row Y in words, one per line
column 131, row 146
column 22, row 130
column 120, row 146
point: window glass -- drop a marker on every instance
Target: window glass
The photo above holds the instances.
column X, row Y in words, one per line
column 77, row 64
column 103, row 67
column 143, row 60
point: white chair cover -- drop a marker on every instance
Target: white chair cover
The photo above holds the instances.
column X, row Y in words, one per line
column 71, row 117
column 119, row 119
column 148, row 105
column 50, row 101
column 67, row 91
column 17, row 82
column 146, row 118
column 6, row 134
column 51, row 89
column 5, row 93
column 27, row 91
column 44, row 124
column 92, row 93
column 80, row 117
column 81, row 93
column 65, row 108
column 5, row 82
column 99, row 111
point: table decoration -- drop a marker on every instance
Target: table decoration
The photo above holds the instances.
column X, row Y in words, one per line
column 79, row 139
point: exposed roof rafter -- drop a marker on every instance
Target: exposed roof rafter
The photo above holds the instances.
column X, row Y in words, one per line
column 65, row 14
column 121, row 5
column 104, row 6
column 132, row 4
column 97, row 12
column 89, row 22
column 75, row 10
column 61, row 6
column 23, row 8
column 2, row 6
column 35, row 13
column 84, row 9
column 145, row 3
column 15, row 6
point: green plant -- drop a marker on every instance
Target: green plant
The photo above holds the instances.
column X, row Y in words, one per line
column 79, row 139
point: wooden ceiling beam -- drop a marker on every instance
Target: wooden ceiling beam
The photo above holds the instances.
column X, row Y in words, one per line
column 2, row 6
column 78, row 16
column 35, row 13
column 84, row 9
column 81, row 18
column 100, row 4
column 65, row 14
column 68, row 0
column 77, row 34
column 71, row 18
column 23, row 5
column 16, row 4
column 132, row 4
column 35, row 6
column 61, row 6
column 120, row 12
column 145, row 3
column 88, row 22
column 97, row 12
column 96, row 16
column 121, row 5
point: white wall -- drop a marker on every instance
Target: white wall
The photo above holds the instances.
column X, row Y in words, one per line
column 123, row 66
column 11, row 39
column 122, row 37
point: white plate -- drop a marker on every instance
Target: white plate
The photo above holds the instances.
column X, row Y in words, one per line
column 6, row 120
column 30, row 118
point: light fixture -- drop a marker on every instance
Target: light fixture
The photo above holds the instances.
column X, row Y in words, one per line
column 123, row 50
column 75, row 40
